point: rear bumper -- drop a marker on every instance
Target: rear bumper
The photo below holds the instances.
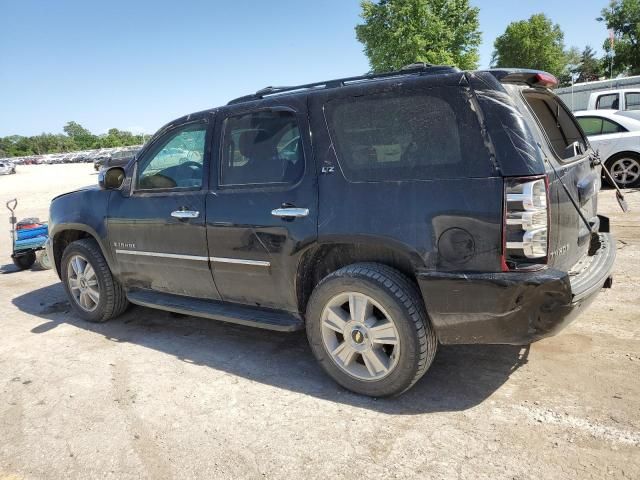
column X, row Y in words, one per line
column 512, row 307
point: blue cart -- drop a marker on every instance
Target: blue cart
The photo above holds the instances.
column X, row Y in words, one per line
column 28, row 239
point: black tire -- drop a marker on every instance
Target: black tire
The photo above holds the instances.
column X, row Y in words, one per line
column 610, row 163
column 113, row 301
column 25, row 260
column 402, row 300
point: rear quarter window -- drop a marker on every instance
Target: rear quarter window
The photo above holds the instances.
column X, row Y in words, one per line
column 558, row 124
column 408, row 135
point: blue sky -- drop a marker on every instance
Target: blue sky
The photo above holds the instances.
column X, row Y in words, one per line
column 138, row 64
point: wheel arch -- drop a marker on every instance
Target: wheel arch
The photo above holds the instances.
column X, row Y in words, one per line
column 323, row 258
column 68, row 233
column 623, row 153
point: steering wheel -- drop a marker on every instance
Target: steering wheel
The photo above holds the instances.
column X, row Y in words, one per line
column 191, row 163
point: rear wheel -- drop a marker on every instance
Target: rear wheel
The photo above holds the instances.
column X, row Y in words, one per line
column 368, row 328
column 25, row 260
column 93, row 292
column 625, row 170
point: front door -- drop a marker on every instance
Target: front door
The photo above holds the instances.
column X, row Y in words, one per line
column 157, row 230
column 262, row 212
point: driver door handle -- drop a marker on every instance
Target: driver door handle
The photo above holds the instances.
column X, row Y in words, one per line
column 185, row 214
column 290, row 212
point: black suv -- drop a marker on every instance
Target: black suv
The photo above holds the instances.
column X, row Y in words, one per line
column 383, row 213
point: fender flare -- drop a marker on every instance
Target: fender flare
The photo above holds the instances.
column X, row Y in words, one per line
column 60, row 228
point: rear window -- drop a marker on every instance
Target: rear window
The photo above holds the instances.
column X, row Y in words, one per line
column 413, row 135
column 558, row 124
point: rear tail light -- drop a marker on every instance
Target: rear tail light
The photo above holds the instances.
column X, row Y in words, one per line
column 526, row 223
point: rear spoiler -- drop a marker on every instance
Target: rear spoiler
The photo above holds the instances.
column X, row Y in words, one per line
column 533, row 78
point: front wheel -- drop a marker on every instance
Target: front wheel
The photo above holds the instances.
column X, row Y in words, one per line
column 93, row 292
column 368, row 328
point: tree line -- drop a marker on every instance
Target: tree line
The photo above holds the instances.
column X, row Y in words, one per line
column 396, row 33
column 75, row 138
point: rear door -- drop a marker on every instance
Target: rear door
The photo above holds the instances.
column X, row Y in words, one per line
column 568, row 152
column 263, row 208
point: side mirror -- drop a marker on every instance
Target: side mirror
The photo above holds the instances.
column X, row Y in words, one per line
column 111, row 178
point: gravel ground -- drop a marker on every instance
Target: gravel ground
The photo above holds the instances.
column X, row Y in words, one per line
column 151, row 395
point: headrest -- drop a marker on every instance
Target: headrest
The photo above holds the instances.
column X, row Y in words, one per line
column 249, row 140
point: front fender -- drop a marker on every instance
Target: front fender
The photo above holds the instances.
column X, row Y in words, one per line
column 84, row 211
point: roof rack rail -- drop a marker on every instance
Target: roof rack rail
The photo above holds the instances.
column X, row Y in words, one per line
column 414, row 68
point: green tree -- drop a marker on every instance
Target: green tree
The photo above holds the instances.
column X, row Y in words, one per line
column 396, row 33
column 623, row 17
column 534, row 43
column 82, row 137
column 590, row 68
column 572, row 60
column 77, row 138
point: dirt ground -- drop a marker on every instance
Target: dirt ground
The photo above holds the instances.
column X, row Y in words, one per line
column 151, row 395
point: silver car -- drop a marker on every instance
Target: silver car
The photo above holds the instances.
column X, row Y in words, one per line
column 7, row 168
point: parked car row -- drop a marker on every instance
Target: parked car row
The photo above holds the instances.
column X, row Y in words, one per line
column 86, row 156
column 115, row 159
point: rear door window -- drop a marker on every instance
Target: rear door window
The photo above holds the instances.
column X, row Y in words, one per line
column 558, row 124
column 608, row 102
column 609, row 126
column 599, row 126
column 262, row 147
column 408, row 135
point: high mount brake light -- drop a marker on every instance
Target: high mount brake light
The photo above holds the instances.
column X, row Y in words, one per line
column 526, row 223
column 546, row 80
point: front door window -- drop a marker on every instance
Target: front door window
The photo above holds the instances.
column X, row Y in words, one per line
column 175, row 163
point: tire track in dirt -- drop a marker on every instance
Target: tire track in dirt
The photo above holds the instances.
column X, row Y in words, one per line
column 142, row 443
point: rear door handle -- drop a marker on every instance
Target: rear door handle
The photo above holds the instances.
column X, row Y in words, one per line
column 290, row 212
column 185, row 214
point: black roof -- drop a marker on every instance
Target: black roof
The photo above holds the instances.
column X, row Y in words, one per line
column 413, row 69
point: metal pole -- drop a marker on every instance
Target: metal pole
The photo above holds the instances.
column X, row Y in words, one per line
column 572, row 106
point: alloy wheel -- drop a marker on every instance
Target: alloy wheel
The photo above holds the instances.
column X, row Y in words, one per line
column 360, row 336
column 625, row 171
column 83, row 283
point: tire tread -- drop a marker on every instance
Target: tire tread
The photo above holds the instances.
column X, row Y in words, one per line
column 408, row 295
column 117, row 301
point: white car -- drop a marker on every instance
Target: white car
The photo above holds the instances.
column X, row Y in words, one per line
column 6, row 167
column 617, row 137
